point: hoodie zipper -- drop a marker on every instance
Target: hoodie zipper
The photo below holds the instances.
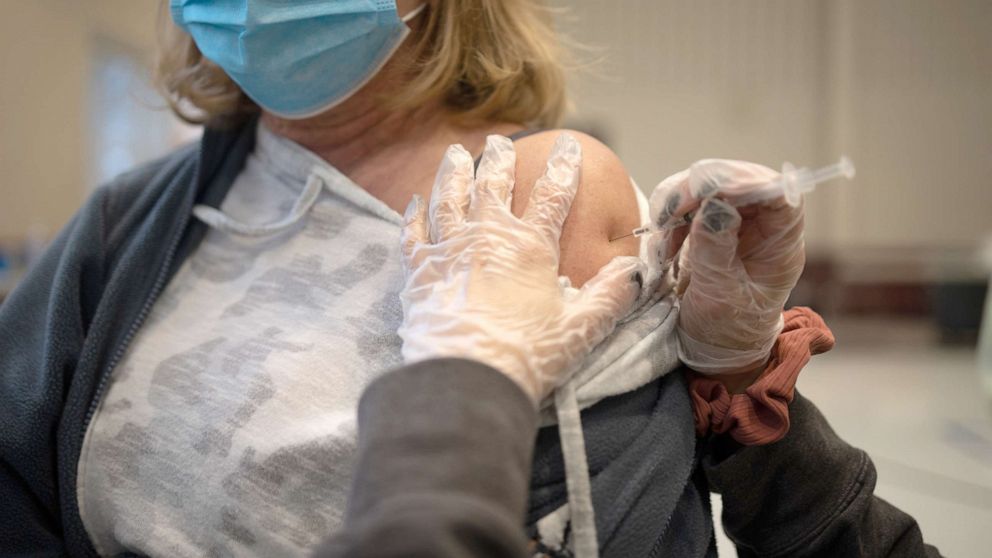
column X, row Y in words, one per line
column 145, row 309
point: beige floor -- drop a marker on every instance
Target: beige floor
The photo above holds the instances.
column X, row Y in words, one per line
column 919, row 411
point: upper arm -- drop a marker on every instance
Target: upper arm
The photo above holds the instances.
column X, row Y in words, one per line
column 605, row 205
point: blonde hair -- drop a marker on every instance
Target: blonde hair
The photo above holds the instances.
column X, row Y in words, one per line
column 485, row 60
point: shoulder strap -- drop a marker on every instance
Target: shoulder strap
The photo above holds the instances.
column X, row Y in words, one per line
column 524, row 133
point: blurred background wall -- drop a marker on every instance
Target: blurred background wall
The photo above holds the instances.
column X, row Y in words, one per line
column 903, row 86
column 76, row 108
column 48, row 53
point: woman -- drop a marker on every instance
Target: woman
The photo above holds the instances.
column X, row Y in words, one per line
column 181, row 370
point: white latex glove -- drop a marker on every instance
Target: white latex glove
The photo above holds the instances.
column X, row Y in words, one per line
column 483, row 284
column 737, row 268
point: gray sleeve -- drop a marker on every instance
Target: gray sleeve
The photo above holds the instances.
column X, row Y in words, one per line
column 42, row 327
column 443, row 465
column 810, row 494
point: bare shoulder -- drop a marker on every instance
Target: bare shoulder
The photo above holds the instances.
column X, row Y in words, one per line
column 605, row 205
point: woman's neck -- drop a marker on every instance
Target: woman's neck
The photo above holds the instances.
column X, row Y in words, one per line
column 361, row 126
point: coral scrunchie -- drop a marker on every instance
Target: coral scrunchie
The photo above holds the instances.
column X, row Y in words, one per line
column 761, row 414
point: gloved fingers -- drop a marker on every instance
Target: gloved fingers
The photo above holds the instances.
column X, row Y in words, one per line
column 771, row 225
column 714, row 240
column 772, row 247
column 671, row 201
column 606, row 298
column 677, row 198
column 450, row 195
column 415, row 233
column 670, row 207
column 728, row 178
column 553, row 193
column 676, row 239
column 683, row 269
column 494, row 179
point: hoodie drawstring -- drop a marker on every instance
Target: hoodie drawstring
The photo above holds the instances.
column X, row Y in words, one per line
column 573, row 448
column 221, row 221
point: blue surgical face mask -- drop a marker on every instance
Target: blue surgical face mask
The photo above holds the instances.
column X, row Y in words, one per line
column 295, row 58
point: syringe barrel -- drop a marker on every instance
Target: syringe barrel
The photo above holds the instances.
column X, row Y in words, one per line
column 641, row 231
column 843, row 168
column 795, row 182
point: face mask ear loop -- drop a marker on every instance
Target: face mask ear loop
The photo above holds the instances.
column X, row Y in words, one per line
column 573, row 446
column 219, row 220
column 414, row 13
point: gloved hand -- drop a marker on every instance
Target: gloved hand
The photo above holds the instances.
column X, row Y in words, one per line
column 483, row 284
column 737, row 267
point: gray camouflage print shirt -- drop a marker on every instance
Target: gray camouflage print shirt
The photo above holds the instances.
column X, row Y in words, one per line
column 228, row 429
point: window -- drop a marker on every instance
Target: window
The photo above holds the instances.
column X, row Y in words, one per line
column 129, row 123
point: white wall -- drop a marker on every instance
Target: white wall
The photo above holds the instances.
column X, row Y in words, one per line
column 917, row 110
column 46, row 50
column 902, row 86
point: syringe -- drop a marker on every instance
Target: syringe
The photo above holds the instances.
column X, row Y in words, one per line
column 791, row 185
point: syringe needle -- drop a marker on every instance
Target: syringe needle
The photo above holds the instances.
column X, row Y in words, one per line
column 648, row 229
column 621, row 237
